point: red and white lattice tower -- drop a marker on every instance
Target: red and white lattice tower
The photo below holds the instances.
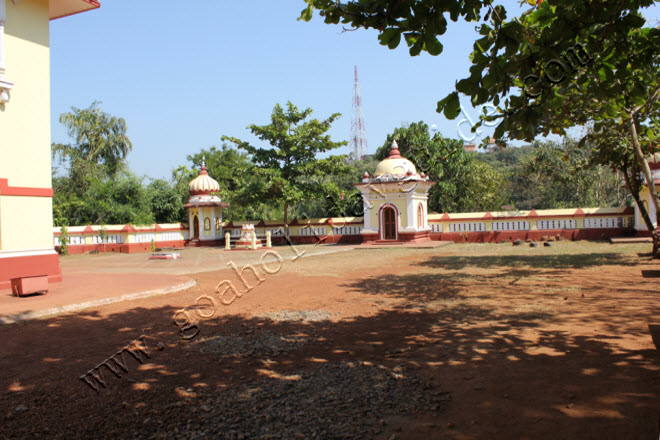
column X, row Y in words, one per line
column 358, row 141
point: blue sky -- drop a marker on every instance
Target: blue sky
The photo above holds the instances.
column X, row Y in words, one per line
column 184, row 74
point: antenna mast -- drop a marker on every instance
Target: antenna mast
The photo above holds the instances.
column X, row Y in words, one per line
column 358, row 141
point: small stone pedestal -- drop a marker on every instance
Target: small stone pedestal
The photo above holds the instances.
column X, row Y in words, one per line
column 248, row 239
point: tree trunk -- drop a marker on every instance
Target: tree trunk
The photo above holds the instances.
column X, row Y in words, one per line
column 634, row 191
column 646, row 170
column 286, row 219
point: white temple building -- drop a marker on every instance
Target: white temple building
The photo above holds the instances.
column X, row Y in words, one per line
column 204, row 210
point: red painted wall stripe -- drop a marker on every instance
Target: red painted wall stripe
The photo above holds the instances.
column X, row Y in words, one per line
column 6, row 190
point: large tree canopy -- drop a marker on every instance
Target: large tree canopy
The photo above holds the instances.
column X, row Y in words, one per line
column 560, row 64
column 100, row 145
column 290, row 170
column 241, row 183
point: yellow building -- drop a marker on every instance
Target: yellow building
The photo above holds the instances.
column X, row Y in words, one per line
column 395, row 201
column 26, row 219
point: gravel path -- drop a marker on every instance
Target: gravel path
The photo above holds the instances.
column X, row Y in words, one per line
column 341, row 400
column 332, row 401
column 265, row 343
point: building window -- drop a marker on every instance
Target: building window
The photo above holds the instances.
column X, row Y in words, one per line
column 207, row 224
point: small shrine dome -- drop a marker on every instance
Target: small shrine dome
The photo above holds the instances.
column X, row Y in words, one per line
column 395, row 164
column 203, row 184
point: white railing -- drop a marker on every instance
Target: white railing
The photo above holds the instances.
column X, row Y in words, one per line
column 311, row 231
column 604, row 222
column 346, row 230
column 511, row 225
column 465, row 227
column 557, row 224
column 109, row 239
column 171, row 236
column 72, row 240
column 145, row 237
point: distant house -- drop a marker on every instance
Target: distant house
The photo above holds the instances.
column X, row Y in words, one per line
column 26, row 219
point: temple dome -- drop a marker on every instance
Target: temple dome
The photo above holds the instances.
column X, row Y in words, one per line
column 395, row 164
column 203, row 184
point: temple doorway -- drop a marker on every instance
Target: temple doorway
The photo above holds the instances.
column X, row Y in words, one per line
column 196, row 227
column 389, row 224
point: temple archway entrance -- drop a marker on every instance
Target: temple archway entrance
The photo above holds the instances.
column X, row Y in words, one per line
column 389, row 223
column 196, row 227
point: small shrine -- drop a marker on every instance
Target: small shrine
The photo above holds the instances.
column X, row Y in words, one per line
column 395, row 201
column 204, row 210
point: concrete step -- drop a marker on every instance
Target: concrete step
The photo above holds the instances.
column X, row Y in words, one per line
column 619, row 240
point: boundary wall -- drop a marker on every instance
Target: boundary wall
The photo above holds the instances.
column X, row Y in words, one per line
column 473, row 227
column 121, row 238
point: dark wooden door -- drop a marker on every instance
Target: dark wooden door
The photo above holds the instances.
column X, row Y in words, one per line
column 196, row 226
column 389, row 224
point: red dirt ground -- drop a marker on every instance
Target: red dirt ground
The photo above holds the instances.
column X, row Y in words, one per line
column 544, row 343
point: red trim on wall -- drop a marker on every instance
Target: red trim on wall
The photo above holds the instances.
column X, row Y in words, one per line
column 23, row 191
column 123, row 248
column 127, row 228
column 18, row 267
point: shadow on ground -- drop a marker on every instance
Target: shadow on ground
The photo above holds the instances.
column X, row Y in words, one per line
column 469, row 361
column 548, row 261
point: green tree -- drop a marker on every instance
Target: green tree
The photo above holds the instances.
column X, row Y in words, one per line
column 103, row 236
column 339, row 197
column 124, row 199
column 241, row 183
column 462, row 183
column 612, row 149
column 100, row 145
column 64, row 241
column 577, row 65
column 166, row 202
column 289, row 171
